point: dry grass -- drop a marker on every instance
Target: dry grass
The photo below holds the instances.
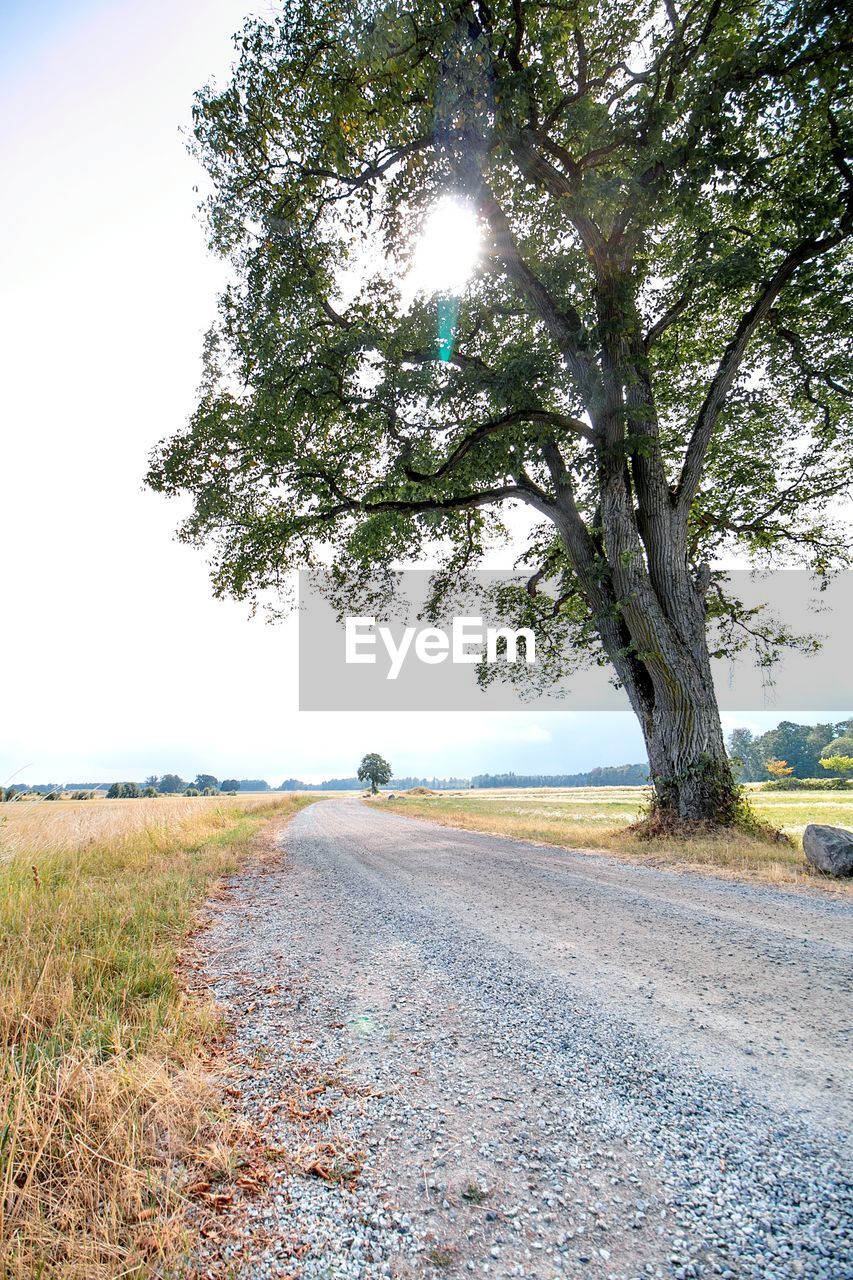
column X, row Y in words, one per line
column 103, row 1103
column 62, row 826
column 598, row 818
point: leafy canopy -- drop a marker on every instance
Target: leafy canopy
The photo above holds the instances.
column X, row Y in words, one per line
column 668, row 180
column 838, row 764
column 375, row 770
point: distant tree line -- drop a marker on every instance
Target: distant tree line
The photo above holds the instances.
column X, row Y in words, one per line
column 798, row 746
column 353, row 784
column 614, row 775
column 204, row 784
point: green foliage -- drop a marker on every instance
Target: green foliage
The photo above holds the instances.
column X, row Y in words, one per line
column 171, row 784
column 806, row 784
column 651, row 360
column 690, row 181
column 620, row 775
column 230, row 784
column 375, row 770
column 124, row 791
column 150, row 792
column 205, row 781
column 799, row 745
column 192, row 791
column 840, row 746
column 842, row 764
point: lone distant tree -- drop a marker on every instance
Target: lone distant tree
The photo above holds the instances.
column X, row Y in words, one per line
column 375, row 770
column 651, row 359
column 206, row 781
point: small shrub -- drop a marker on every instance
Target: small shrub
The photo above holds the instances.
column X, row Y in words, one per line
column 806, row 784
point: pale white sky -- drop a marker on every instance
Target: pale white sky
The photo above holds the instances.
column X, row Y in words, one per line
column 115, row 660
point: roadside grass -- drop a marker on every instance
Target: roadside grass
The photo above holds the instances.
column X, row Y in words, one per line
column 104, row 1106
column 597, row 818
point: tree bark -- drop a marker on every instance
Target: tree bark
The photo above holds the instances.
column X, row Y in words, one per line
column 650, row 613
column 656, row 642
column 680, row 720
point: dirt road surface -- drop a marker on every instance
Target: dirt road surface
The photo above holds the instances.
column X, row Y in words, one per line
column 468, row 1055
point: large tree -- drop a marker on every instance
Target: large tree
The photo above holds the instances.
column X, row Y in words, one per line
column 650, row 358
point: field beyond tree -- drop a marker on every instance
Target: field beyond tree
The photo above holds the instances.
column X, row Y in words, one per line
column 599, row 818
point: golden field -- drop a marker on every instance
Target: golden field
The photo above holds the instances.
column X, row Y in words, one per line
column 598, row 818
column 103, row 1104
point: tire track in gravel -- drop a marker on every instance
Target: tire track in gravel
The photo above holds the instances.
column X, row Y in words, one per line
column 544, row 1063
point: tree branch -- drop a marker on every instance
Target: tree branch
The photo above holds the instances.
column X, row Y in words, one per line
column 486, row 429
column 415, row 506
column 565, row 187
column 727, row 370
column 563, row 322
column 664, row 321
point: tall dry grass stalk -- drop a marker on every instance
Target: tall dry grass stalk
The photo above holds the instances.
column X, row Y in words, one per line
column 104, row 1103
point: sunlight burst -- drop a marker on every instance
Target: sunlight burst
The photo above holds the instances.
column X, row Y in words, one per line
column 448, row 248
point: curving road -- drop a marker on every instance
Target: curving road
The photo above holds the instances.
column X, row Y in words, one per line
column 558, row 1064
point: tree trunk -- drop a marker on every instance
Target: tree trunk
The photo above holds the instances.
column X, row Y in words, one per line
column 633, row 566
column 650, row 615
column 668, row 678
column 689, row 766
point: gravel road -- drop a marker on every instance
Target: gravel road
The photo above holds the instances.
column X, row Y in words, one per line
column 475, row 1055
